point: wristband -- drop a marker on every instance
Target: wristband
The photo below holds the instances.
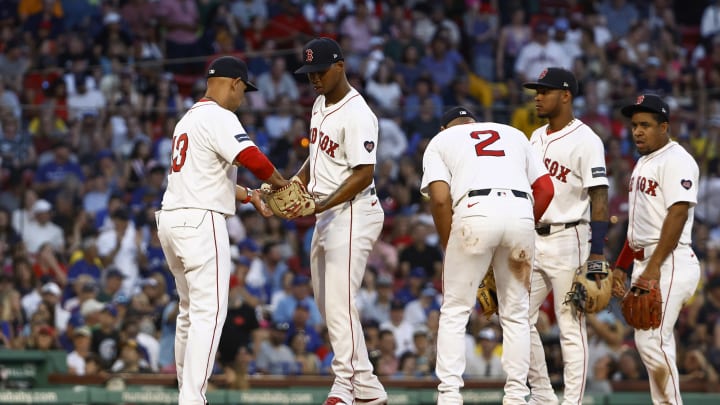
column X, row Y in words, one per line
column 598, row 230
column 248, row 197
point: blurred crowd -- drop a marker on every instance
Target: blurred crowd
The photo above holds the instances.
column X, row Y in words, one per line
column 90, row 91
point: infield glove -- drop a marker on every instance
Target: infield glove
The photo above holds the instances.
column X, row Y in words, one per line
column 591, row 288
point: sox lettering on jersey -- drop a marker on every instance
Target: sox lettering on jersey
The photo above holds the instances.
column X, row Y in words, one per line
column 326, row 145
column 644, row 185
column 557, row 170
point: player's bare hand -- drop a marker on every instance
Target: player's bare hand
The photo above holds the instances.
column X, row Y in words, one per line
column 260, row 206
column 619, row 281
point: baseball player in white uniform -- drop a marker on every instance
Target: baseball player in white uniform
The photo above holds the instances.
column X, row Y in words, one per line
column 339, row 174
column 662, row 197
column 484, row 220
column 572, row 230
column 208, row 143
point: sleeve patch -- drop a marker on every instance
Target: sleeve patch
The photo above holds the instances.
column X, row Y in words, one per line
column 242, row 137
column 369, row 146
column 686, row 184
column 598, row 172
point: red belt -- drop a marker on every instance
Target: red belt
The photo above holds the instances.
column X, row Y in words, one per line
column 639, row 254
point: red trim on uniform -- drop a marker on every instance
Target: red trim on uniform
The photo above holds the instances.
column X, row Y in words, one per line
column 317, row 149
column 202, row 100
column 583, row 333
column 217, row 312
column 662, row 320
column 352, row 332
column 559, row 138
column 543, row 191
column 255, row 161
column 625, row 258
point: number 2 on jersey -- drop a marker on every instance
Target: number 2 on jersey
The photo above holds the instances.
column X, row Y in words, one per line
column 179, row 152
column 480, row 147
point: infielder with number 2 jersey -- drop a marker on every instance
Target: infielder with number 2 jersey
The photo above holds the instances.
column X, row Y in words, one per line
column 575, row 158
column 662, row 197
column 208, row 143
column 479, row 177
column 339, row 174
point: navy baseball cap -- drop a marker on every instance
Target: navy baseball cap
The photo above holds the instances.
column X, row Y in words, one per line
column 455, row 112
column 232, row 67
column 555, row 78
column 319, row 54
column 648, row 103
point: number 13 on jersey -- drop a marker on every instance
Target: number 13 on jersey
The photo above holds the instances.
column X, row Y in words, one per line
column 179, row 152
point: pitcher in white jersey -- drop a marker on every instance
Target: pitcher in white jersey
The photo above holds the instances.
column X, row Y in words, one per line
column 487, row 189
column 572, row 230
column 662, row 199
column 208, row 143
column 339, row 174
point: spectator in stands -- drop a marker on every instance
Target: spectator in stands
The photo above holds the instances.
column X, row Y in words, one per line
column 14, row 63
column 630, row 367
column 378, row 310
column 300, row 295
column 620, row 15
column 308, row 362
column 421, row 254
column 278, row 82
column 359, row 27
column 401, row 330
column 513, row 38
column 602, row 371
column 49, row 265
column 539, row 53
column 480, row 24
column 443, row 63
column 387, row 363
column 106, row 338
column 181, row 20
column 425, row 352
column 483, row 356
column 696, row 367
column 119, row 246
column 62, row 172
column 416, row 311
column 76, row 359
column 130, row 359
column 383, row 90
column 42, row 231
column 273, row 355
column 16, row 146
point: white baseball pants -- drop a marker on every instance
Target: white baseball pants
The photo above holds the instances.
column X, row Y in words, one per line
column 679, row 277
column 497, row 231
column 197, row 249
column 341, row 243
column 557, row 257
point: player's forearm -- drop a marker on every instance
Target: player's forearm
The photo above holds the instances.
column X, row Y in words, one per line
column 441, row 209
column 304, row 172
column 361, row 177
column 669, row 233
column 442, row 216
column 598, row 203
column 599, row 215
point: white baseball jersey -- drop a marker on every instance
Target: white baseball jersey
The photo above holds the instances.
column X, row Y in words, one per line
column 659, row 180
column 575, row 158
column 205, row 143
column 339, row 142
column 471, row 156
